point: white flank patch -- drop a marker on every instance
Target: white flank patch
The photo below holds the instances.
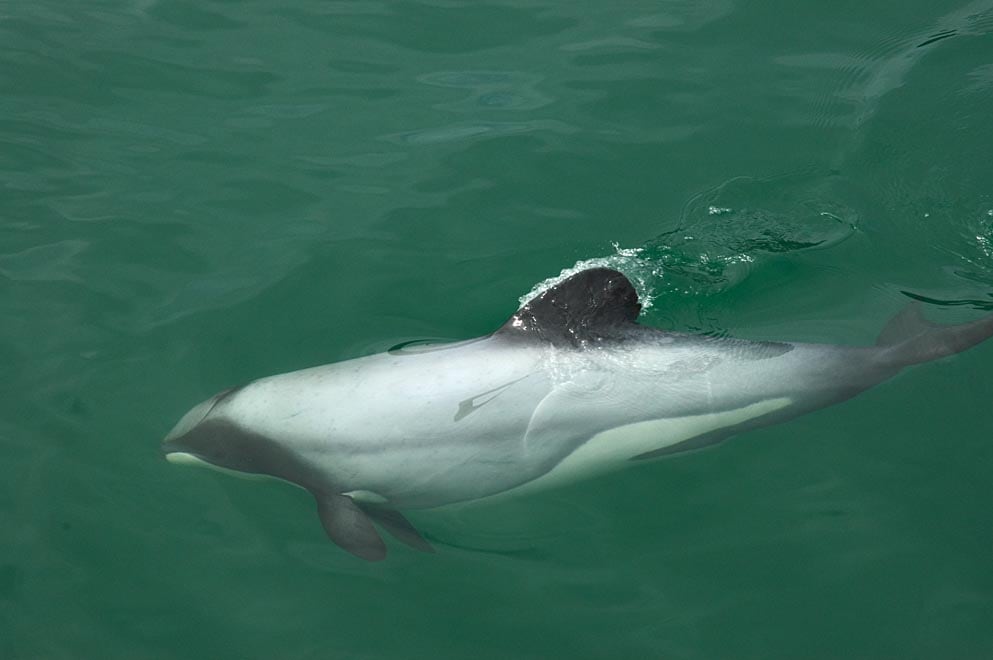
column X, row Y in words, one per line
column 611, row 449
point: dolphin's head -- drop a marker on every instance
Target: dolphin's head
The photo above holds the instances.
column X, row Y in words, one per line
column 205, row 436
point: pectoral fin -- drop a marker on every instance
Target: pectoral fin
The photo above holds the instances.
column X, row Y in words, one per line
column 396, row 524
column 350, row 528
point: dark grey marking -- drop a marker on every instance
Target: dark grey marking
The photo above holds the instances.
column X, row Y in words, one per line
column 600, row 306
column 469, row 406
column 592, row 305
column 227, row 445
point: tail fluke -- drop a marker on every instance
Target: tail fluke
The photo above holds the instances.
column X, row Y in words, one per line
column 909, row 338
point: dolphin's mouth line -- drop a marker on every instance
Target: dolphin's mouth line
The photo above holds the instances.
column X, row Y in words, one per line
column 172, row 447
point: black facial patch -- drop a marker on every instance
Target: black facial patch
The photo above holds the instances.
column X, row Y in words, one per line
column 224, row 444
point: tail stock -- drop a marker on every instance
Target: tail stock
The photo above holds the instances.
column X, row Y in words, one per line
column 909, row 338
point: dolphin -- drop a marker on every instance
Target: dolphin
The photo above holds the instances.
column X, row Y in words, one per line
column 569, row 387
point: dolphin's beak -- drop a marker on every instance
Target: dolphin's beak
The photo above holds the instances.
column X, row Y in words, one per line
column 173, row 448
column 172, row 444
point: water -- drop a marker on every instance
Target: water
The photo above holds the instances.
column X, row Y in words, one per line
column 197, row 194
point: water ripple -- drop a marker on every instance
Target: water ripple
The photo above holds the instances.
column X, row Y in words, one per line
column 53, row 262
column 498, row 90
column 458, row 131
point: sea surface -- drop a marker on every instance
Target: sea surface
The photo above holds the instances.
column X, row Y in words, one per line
column 197, row 194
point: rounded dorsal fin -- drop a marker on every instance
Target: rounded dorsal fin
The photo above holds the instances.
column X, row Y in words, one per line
column 591, row 305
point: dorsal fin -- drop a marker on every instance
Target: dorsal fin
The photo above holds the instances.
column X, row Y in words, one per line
column 593, row 304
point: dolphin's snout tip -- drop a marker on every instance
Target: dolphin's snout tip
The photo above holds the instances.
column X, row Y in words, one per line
column 167, row 447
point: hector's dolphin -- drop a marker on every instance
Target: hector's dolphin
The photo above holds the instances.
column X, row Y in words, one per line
column 570, row 386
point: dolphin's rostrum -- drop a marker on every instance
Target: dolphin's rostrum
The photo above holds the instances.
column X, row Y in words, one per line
column 570, row 386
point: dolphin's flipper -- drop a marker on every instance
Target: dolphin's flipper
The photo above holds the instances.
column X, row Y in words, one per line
column 349, row 527
column 398, row 526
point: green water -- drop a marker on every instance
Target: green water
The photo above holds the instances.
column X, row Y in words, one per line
column 195, row 194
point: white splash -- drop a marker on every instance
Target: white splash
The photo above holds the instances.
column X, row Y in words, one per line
column 642, row 273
